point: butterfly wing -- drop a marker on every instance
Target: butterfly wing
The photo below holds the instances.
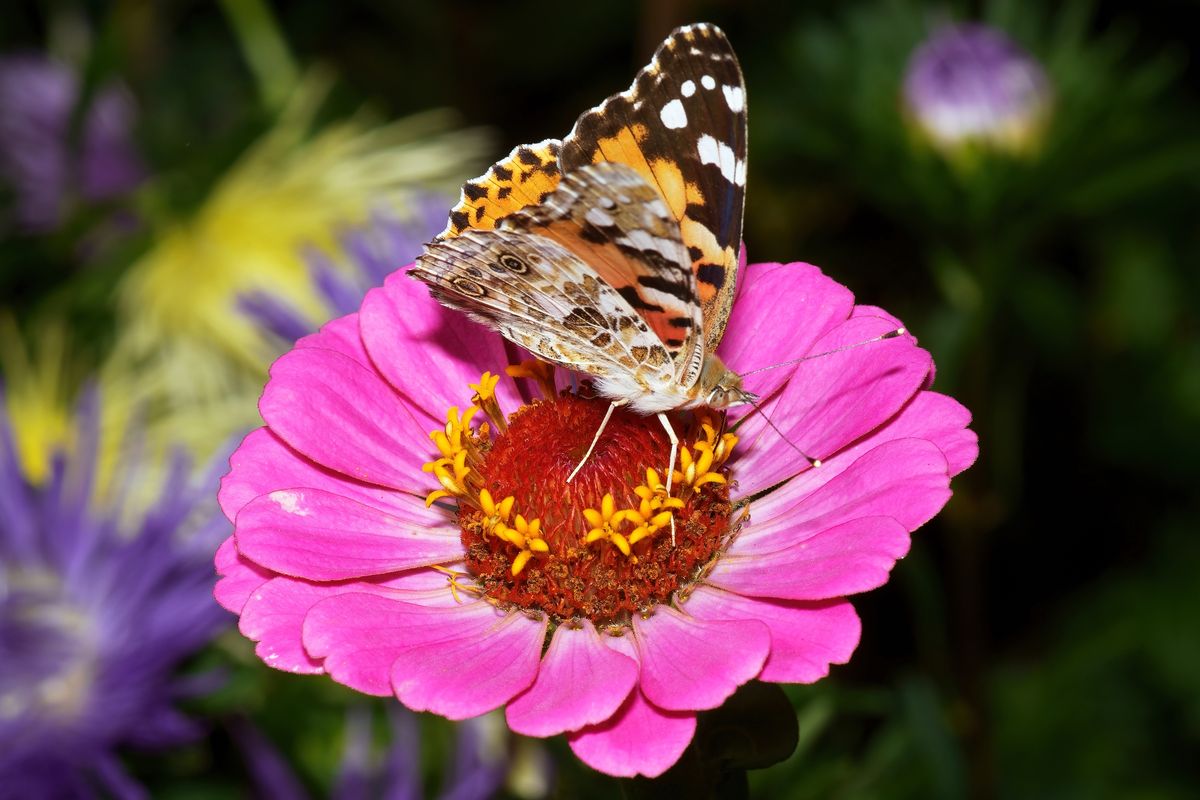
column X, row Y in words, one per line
column 608, row 217
column 682, row 126
column 539, row 295
column 523, row 178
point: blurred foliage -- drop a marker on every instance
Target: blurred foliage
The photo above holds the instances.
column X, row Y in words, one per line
column 1039, row 641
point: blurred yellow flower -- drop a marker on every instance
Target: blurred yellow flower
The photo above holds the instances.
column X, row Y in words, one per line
column 41, row 384
column 35, row 394
column 180, row 332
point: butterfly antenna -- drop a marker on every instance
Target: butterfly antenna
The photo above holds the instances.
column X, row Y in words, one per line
column 880, row 338
column 812, row 462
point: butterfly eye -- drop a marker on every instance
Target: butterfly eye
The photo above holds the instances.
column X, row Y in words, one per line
column 468, row 287
column 513, row 264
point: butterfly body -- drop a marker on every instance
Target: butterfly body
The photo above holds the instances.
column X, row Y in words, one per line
column 614, row 252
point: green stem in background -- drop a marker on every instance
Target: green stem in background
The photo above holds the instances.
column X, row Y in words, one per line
column 264, row 49
column 976, row 282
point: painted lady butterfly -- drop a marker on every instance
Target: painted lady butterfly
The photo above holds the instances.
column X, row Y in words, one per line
column 615, row 251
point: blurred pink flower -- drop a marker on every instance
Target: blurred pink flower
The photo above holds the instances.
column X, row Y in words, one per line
column 579, row 624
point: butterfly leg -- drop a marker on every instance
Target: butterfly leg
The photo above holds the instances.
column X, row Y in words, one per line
column 603, row 424
column 666, row 423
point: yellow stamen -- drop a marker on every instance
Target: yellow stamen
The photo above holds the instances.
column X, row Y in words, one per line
column 536, row 370
column 454, row 578
column 724, row 448
column 655, row 509
column 486, row 388
column 721, row 444
column 701, row 467
column 654, row 494
column 526, row 535
column 485, row 398
column 605, row 522
column 456, row 436
column 520, row 561
column 495, row 514
column 452, row 482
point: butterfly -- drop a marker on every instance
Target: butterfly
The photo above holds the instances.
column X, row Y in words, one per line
column 614, row 252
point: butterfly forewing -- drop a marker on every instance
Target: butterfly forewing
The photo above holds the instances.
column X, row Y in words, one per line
column 682, row 126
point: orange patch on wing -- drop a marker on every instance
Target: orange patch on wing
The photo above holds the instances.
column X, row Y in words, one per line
column 613, row 267
column 696, row 235
column 677, row 192
column 625, row 148
column 523, row 178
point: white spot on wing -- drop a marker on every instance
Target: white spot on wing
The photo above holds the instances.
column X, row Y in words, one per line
column 713, row 152
column 673, row 115
column 688, row 88
column 707, row 82
column 735, row 98
column 598, row 218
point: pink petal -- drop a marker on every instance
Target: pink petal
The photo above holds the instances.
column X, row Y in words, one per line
column 277, row 612
column 318, row 535
column 929, row 415
column 780, row 313
column 906, row 479
column 358, row 635
column 263, row 463
column 465, row 660
column 830, row 402
column 239, row 577
column 273, row 617
column 894, row 321
column 581, row 682
column 638, row 740
column 430, row 353
column 345, row 417
column 844, row 559
column 340, row 335
column 690, row 664
column 806, row 638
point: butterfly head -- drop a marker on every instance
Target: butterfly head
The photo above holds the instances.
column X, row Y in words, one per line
column 721, row 387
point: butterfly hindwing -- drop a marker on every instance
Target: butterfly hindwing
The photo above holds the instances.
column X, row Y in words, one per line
column 541, row 296
column 612, row 220
column 682, row 126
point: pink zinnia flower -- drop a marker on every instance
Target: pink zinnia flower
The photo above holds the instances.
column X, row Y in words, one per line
column 568, row 603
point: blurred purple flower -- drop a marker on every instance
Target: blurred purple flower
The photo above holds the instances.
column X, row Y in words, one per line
column 96, row 613
column 374, row 251
column 43, row 163
column 478, row 768
column 972, row 83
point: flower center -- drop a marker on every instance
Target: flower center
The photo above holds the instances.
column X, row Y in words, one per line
column 610, row 542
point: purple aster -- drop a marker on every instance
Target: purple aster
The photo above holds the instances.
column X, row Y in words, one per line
column 971, row 82
column 372, row 251
column 43, row 163
column 478, row 767
column 99, row 604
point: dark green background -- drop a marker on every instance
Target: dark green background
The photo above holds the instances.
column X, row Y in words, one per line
column 1041, row 640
